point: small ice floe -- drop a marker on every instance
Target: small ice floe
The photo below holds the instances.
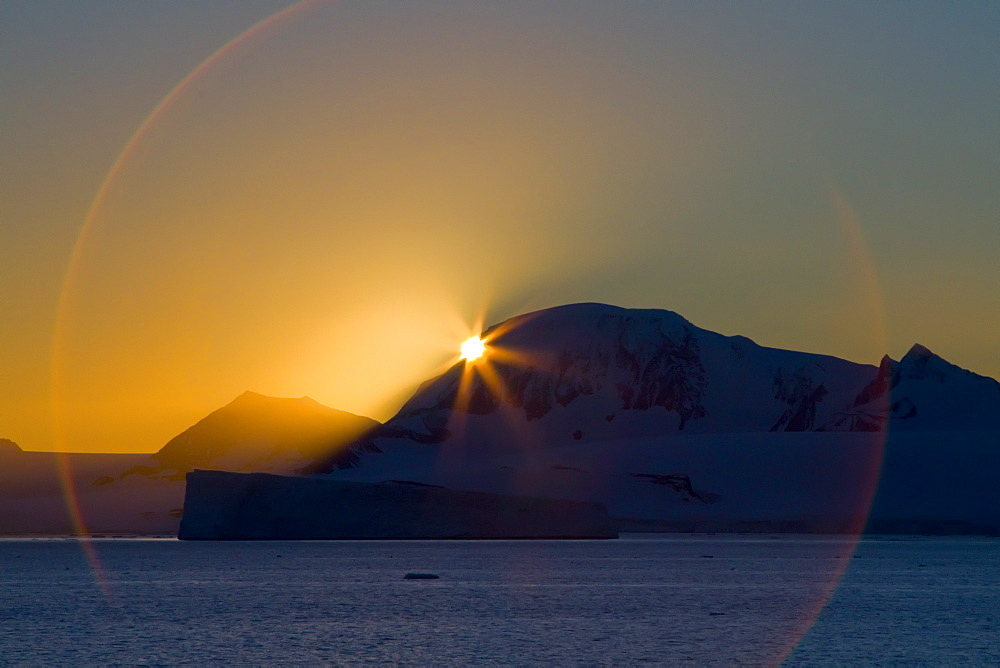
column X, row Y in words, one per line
column 421, row 576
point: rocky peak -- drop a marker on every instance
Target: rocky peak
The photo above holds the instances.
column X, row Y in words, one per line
column 922, row 391
column 884, row 381
column 918, row 351
column 919, row 363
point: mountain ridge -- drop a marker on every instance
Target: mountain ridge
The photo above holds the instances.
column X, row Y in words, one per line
column 632, row 359
column 674, row 427
column 578, row 373
column 259, row 433
column 648, row 358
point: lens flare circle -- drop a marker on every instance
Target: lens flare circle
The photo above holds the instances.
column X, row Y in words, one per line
column 471, row 350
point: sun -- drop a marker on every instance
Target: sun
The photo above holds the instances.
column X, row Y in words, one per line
column 473, row 348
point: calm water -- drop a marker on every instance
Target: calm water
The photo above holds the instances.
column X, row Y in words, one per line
column 667, row 599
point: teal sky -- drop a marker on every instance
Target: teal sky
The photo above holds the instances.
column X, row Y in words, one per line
column 338, row 195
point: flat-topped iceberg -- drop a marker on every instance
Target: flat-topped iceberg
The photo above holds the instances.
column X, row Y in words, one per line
column 260, row 506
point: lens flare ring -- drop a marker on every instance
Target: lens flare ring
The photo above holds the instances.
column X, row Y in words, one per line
column 850, row 228
column 71, row 498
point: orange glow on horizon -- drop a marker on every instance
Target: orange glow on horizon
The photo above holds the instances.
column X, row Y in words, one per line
column 181, row 292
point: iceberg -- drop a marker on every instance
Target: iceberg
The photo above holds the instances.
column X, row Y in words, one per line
column 221, row 505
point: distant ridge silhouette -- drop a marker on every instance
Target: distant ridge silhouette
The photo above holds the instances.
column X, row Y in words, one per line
column 7, row 445
column 258, row 433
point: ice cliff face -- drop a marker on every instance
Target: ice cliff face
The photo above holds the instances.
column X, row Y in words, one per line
column 260, row 506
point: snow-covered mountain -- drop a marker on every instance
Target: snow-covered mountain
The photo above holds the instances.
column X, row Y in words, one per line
column 590, row 371
column 662, row 420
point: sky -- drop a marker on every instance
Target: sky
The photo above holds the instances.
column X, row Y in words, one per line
column 327, row 198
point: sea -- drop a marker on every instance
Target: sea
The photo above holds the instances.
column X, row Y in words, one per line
column 642, row 599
